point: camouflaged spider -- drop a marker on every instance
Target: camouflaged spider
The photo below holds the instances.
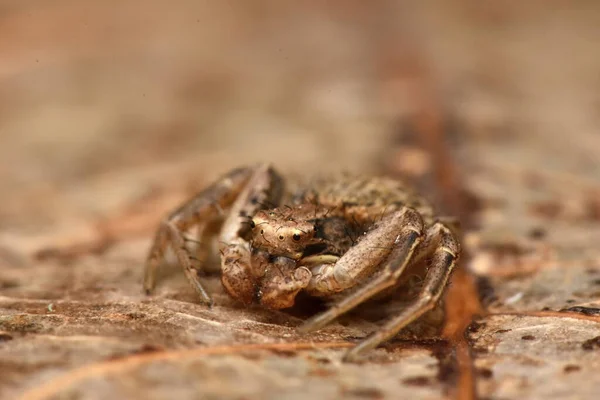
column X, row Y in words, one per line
column 348, row 239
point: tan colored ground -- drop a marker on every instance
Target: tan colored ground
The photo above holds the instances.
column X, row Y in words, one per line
column 112, row 113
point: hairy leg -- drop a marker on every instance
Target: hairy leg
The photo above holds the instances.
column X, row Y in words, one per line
column 237, row 274
column 443, row 261
column 392, row 242
column 199, row 210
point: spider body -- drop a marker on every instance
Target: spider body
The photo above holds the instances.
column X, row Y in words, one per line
column 346, row 238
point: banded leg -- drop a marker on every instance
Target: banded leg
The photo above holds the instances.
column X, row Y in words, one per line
column 200, row 210
column 392, row 242
column 443, row 261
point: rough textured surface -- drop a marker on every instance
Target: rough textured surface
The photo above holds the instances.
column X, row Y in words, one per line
column 112, row 113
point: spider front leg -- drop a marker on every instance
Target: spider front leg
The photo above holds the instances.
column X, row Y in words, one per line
column 443, row 260
column 387, row 248
column 240, row 269
column 200, row 211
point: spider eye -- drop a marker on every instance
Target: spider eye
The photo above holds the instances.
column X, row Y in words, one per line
column 252, row 224
column 281, row 237
column 296, row 237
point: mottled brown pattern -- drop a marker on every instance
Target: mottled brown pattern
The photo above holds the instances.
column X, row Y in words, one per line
column 363, row 198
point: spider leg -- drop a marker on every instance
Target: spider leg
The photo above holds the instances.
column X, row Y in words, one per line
column 203, row 241
column 155, row 255
column 238, row 278
column 199, row 210
column 443, row 260
column 391, row 245
column 177, row 241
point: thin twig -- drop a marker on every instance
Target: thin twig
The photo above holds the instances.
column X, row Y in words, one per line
column 549, row 314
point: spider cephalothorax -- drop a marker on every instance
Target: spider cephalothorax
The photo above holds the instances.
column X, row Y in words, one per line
column 285, row 232
column 348, row 238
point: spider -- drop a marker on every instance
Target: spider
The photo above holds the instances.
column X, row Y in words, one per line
column 346, row 239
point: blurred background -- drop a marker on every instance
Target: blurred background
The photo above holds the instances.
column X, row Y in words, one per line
column 102, row 102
